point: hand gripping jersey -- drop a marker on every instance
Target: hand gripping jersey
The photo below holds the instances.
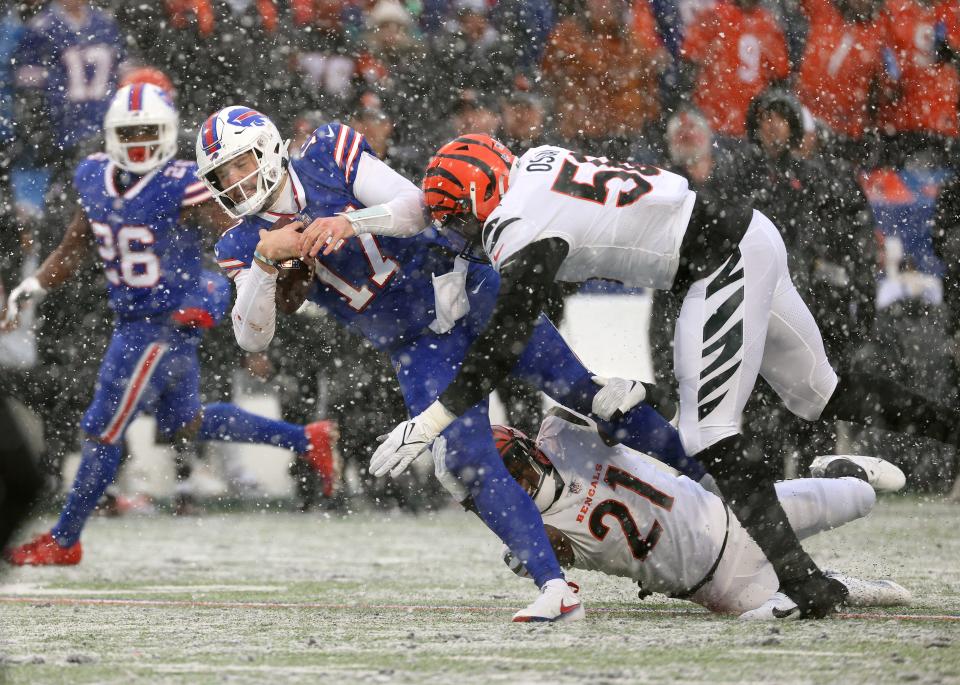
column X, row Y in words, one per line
column 151, row 261
column 625, row 517
column 623, row 222
column 380, row 286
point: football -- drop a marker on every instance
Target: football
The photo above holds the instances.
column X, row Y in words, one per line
column 293, row 281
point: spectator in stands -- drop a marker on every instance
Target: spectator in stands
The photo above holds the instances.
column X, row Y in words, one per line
column 369, row 117
column 828, row 228
column 470, row 53
column 690, row 152
column 926, row 41
column 525, row 26
column 475, row 112
column 205, row 46
column 845, row 73
column 946, row 243
column 602, row 78
column 735, row 50
column 322, row 38
column 397, row 67
column 524, row 118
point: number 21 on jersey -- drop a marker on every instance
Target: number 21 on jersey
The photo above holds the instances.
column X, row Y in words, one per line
column 640, row 545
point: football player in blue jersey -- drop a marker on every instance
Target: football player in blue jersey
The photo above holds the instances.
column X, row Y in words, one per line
column 419, row 299
column 143, row 211
column 68, row 62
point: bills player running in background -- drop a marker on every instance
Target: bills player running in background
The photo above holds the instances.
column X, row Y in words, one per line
column 142, row 210
column 554, row 214
column 415, row 299
column 607, row 509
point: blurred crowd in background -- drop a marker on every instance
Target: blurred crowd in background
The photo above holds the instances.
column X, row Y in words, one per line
column 839, row 118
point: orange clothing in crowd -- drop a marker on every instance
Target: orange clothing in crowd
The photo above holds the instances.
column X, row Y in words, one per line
column 928, row 90
column 604, row 81
column 739, row 53
column 842, row 64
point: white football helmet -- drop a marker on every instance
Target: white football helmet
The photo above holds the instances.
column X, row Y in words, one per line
column 229, row 134
column 141, row 105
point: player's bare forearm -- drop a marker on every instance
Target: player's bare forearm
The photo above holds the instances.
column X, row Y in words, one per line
column 207, row 215
column 69, row 255
column 524, row 289
column 561, row 546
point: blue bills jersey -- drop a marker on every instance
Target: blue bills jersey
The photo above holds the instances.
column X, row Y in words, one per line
column 151, row 261
column 380, row 287
column 76, row 66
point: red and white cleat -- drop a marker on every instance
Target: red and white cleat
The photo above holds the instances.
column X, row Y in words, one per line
column 43, row 550
column 321, row 455
column 558, row 601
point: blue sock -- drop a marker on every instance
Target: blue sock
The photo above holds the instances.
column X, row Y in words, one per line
column 641, row 428
column 98, row 467
column 510, row 513
column 230, row 423
column 500, row 501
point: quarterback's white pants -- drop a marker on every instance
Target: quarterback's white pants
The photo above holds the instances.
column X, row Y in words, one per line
column 744, row 579
column 745, row 319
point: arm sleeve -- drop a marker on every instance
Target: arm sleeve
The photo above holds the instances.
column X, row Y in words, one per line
column 525, row 282
column 394, row 206
column 255, row 311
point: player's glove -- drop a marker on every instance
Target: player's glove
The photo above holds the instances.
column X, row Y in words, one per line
column 449, row 481
column 514, row 564
column 28, row 289
column 616, row 397
column 409, row 440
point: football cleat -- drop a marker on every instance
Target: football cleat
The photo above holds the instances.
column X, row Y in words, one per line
column 558, row 601
column 43, row 550
column 879, row 473
column 778, row 608
column 322, row 436
column 872, row 593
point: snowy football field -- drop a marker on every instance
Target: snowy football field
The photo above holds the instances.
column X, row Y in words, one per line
column 283, row 597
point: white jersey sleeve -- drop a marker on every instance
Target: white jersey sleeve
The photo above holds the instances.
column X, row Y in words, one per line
column 623, row 222
column 254, row 314
column 394, row 206
column 627, row 517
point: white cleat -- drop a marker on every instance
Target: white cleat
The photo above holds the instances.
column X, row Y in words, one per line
column 879, row 473
column 557, row 602
column 778, row 608
column 872, row 593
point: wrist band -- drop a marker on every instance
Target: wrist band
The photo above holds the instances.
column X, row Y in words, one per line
column 256, row 255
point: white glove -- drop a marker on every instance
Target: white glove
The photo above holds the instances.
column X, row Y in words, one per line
column 616, row 395
column 514, row 564
column 449, row 481
column 29, row 288
column 409, row 440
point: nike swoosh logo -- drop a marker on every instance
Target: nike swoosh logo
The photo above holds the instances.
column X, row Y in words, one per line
column 783, row 613
column 564, row 609
column 477, row 289
column 329, row 133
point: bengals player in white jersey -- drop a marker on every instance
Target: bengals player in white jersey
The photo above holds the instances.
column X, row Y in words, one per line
column 554, row 214
column 605, row 508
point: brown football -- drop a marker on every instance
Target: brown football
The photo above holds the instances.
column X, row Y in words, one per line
column 293, row 281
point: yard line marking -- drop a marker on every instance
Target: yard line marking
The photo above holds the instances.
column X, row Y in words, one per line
column 800, row 652
column 200, row 604
column 38, row 591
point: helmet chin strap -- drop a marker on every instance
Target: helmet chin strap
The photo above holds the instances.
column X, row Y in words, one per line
column 473, row 197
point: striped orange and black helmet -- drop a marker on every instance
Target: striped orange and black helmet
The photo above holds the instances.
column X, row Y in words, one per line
column 467, row 176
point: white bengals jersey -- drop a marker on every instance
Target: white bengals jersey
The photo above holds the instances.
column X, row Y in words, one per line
column 626, row 517
column 623, row 222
